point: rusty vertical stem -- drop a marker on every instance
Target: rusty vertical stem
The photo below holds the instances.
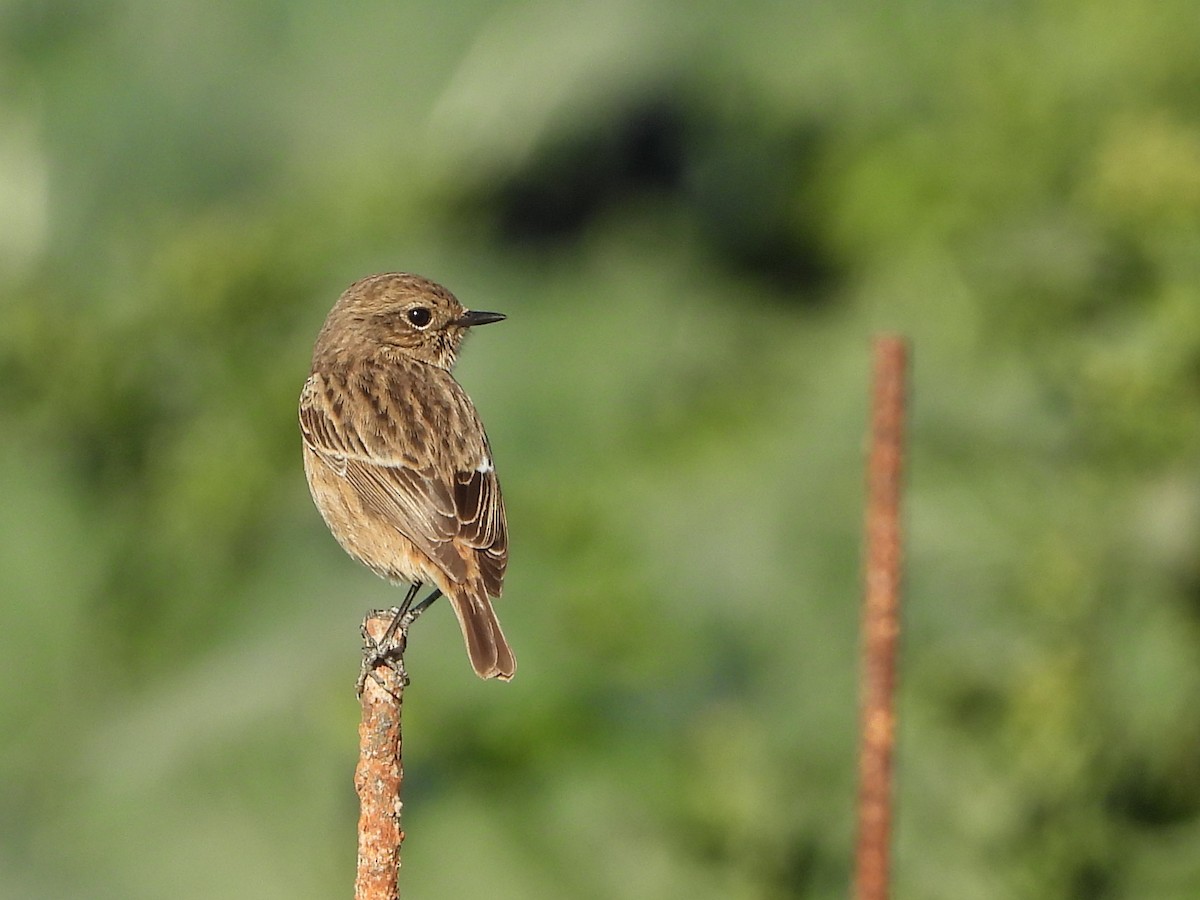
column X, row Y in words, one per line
column 379, row 775
column 881, row 618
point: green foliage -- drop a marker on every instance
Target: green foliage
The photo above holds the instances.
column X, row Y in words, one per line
column 695, row 216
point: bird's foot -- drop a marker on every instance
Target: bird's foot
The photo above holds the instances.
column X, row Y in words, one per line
column 387, row 652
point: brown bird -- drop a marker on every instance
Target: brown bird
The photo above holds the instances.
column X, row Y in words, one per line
column 397, row 460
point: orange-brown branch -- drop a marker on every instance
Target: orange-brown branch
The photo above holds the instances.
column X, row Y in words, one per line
column 881, row 618
column 380, row 773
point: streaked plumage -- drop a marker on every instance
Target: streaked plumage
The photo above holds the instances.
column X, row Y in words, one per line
column 397, row 460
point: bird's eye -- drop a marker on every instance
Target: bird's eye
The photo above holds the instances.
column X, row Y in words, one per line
column 419, row 316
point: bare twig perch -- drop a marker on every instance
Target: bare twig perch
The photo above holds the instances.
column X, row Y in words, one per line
column 881, row 619
column 380, row 773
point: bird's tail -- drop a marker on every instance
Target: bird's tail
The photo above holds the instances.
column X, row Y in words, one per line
column 489, row 651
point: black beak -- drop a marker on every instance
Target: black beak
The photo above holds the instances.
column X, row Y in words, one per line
column 478, row 317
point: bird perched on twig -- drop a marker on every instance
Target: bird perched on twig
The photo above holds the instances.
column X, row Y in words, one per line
column 397, row 460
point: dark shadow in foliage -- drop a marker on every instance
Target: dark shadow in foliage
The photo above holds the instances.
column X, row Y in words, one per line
column 1093, row 881
column 756, row 195
column 572, row 181
column 752, row 194
column 1157, row 797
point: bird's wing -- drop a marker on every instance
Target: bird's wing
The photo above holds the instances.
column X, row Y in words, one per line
column 479, row 508
column 438, row 495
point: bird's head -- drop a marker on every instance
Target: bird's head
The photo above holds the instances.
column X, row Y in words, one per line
column 398, row 313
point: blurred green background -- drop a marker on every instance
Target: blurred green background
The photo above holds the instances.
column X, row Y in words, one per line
column 696, row 215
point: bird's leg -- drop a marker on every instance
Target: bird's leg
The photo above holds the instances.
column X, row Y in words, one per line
column 382, row 650
column 403, row 607
column 406, row 615
column 389, row 649
column 422, row 606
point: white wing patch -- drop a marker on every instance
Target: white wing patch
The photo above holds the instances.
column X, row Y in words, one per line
column 485, row 466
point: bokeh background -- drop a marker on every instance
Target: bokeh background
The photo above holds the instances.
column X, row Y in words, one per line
column 696, row 215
